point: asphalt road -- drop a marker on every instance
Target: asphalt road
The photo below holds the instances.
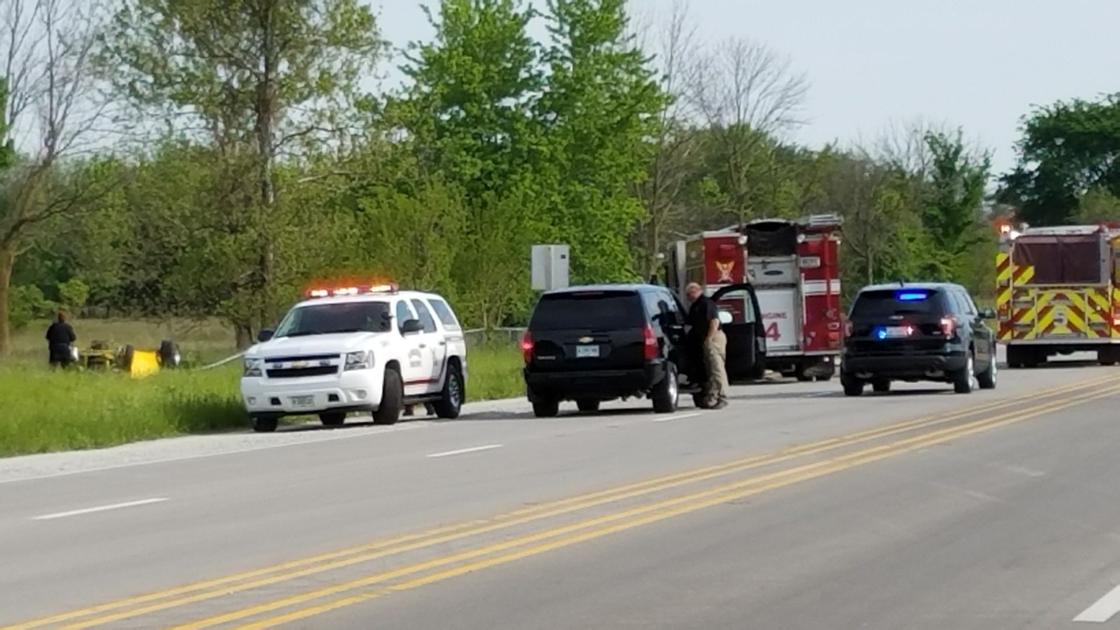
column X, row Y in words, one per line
column 794, row 508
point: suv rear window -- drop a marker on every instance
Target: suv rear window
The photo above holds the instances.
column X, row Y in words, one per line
column 596, row 310
column 884, row 303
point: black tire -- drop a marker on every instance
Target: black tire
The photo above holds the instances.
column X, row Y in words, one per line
column 588, row 405
column 392, row 399
column 801, row 375
column 546, row 407
column 332, row 418
column 962, row 378
column 758, row 370
column 169, row 355
column 1017, row 358
column 126, row 358
column 1107, row 357
column 852, row 386
column 450, row 403
column 666, row 394
column 881, row 386
column 265, row 424
column 989, row 377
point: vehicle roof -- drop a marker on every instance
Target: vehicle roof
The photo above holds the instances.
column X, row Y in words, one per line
column 636, row 287
column 929, row 286
column 369, row 297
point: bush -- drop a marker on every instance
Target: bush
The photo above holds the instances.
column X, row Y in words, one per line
column 28, row 303
column 73, row 294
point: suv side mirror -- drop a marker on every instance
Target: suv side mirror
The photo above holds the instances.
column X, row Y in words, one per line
column 987, row 313
column 265, row 335
column 411, row 326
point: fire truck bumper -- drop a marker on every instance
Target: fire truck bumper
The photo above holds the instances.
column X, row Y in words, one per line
column 906, row 366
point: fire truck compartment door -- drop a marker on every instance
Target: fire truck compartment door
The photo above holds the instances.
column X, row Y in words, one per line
column 781, row 319
column 773, row 270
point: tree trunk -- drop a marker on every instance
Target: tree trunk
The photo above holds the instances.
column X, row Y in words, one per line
column 243, row 335
column 266, row 129
column 7, row 264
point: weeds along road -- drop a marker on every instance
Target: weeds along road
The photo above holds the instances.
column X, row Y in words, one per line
column 793, row 508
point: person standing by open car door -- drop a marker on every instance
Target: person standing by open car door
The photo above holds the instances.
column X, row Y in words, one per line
column 706, row 337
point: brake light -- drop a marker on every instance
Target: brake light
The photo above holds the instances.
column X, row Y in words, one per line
column 650, row 347
column 948, row 326
column 527, row 347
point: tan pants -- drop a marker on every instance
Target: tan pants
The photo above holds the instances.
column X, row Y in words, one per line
column 715, row 356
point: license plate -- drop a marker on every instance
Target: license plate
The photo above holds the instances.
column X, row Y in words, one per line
column 894, row 332
column 302, row 401
column 587, row 352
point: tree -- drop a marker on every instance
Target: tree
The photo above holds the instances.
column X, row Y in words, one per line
column 49, row 106
column 600, row 108
column 952, row 208
column 1066, row 149
column 674, row 145
column 257, row 78
column 746, row 94
column 467, row 115
column 1098, row 206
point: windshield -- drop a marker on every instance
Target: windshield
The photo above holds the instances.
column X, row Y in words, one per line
column 594, row 310
column 880, row 304
column 324, row 319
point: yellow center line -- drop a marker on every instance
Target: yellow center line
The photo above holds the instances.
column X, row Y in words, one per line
column 767, row 481
column 438, row 535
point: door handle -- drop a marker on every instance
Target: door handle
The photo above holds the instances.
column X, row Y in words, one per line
column 423, row 345
column 443, row 343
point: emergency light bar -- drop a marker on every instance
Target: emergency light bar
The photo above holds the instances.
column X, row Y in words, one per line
column 365, row 289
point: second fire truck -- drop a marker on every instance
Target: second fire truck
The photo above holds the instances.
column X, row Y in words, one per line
column 778, row 280
column 1058, row 292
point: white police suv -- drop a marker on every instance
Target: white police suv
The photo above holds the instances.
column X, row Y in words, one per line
column 360, row 348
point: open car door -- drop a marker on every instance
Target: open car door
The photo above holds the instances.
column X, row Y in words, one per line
column 741, row 321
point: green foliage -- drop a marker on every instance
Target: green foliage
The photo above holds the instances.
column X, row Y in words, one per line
column 1067, row 149
column 951, row 214
column 28, row 303
column 1098, row 206
column 73, row 294
column 598, row 112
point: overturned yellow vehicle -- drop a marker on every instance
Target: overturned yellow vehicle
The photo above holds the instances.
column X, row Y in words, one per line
column 137, row 362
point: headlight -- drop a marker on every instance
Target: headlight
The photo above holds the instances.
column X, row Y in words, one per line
column 253, row 367
column 362, row 360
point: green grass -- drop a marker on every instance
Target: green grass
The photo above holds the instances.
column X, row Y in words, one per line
column 52, row 411
column 46, row 410
column 494, row 371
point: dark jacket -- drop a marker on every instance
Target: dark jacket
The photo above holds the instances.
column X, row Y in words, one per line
column 59, row 337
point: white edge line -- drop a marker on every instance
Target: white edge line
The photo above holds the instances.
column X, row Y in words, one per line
column 101, row 508
column 342, row 435
column 681, row 416
column 1103, row 609
column 473, row 449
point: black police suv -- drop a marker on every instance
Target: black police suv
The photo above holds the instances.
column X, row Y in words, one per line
column 917, row 332
column 596, row 343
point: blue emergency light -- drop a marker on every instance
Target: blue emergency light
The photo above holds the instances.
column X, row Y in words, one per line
column 912, row 296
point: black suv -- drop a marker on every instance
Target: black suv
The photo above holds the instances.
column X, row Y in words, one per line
column 918, row 332
column 596, row 343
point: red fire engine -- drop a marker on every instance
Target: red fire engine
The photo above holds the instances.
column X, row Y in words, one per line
column 779, row 281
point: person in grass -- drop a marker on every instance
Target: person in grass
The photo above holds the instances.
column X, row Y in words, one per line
column 60, row 339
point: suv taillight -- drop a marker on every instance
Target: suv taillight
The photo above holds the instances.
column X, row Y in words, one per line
column 948, row 326
column 650, row 347
column 527, row 347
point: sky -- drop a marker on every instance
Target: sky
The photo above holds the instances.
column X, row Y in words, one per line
column 975, row 64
